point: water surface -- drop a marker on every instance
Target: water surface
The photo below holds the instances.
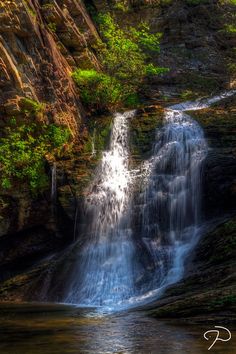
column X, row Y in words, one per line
column 51, row 328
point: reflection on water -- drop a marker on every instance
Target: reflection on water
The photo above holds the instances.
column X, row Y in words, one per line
column 49, row 329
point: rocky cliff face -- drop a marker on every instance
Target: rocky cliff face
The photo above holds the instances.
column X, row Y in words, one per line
column 41, row 42
column 219, row 173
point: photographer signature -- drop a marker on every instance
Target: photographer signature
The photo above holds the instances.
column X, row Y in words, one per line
column 216, row 335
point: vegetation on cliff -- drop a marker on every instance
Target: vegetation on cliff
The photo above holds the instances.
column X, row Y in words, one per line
column 124, row 56
column 23, row 149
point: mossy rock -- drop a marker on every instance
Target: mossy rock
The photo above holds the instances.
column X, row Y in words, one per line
column 99, row 130
column 208, row 290
column 80, row 168
column 199, row 305
column 200, row 85
column 224, row 246
column 143, row 127
column 219, row 123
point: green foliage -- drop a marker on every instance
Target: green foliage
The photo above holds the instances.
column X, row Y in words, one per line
column 121, row 56
column 131, row 100
column 145, row 39
column 97, row 89
column 52, row 26
column 124, row 55
column 230, row 29
column 152, row 70
column 29, row 8
column 125, row 59
column 121, row 5
column 31, row 106
column 22, row 153
column 232, row 68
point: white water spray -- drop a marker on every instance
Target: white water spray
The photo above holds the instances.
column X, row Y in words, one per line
column 111, row 270
column 171, row 206
column 106, row 259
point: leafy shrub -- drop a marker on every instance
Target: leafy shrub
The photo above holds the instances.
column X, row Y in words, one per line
column 145, row 39
column 97, row 89
column 125, row 59
column 22, row 153
column 120, row 55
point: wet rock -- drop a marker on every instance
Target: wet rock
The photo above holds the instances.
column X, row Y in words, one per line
column 219, row 170
column 207, row 292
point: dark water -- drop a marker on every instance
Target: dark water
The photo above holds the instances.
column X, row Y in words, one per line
column 49, row 329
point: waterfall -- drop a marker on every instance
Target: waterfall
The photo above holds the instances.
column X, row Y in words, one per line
column 106, row 258
column 136, row 245
column 171, row 202
column 93, row 151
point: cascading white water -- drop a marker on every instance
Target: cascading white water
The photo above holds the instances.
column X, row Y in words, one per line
column 172, row 198
column 170, row 203
column 106, row 259
column 125, row 264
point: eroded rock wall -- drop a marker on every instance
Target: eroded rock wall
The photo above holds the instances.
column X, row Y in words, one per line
column 40, row 44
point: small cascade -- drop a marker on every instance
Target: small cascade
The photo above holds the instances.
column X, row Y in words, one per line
column 107, row 257
column 93, row 143
column 171, row 202
column 170, row 198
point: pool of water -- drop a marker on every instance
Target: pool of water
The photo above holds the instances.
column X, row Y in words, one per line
column 50, row 328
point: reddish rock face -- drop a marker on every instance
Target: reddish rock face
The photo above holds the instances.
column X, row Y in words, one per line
column 41, row 43
column 39, row 47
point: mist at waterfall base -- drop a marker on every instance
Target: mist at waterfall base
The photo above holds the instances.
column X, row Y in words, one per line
column 136, row 243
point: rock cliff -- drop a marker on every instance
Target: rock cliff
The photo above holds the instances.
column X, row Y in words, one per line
column 41, row 43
